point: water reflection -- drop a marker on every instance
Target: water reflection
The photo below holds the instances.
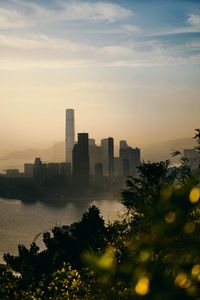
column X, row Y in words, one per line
column 21, row 222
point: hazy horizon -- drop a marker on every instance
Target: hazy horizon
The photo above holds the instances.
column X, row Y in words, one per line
column 98, row 142
column 130, row 69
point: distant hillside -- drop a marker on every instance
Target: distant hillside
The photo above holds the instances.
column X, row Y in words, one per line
column 162, row 151
column 53, row 153
column 154, row 152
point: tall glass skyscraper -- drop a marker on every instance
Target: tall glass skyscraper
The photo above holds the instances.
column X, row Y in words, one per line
column 69, row 135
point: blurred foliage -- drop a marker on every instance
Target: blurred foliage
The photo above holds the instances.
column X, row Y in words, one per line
column 152, row 253
column 197, row 138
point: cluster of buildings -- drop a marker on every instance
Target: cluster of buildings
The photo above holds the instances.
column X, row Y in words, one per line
column 88, row 164
column 96, row 164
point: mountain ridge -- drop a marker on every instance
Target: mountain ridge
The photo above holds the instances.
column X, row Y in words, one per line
column 154, row 152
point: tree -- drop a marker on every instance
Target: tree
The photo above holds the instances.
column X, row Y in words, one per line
column 197, row 138
column 66, row 244
column 164, row 252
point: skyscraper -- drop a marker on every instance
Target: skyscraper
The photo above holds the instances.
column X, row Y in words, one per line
column 129, row 159
column 96, row 155
column 39, row 170
column 70, row 134
column 108, row 157
column 81, row 162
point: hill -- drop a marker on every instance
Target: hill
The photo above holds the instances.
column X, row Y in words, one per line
column 153, row 152
column 162, row 151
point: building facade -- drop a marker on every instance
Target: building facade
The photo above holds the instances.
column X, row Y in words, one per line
column 107, row 146
column 81, row 169
column 129, row 159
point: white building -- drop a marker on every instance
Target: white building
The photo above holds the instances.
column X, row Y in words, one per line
column 69, row 135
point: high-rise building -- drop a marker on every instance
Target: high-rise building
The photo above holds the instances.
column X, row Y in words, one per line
column 95, row 154
column 123, row 144
column 28, row 170
column 99, row 175
column 39, row 170
column 52, row 169
column 117, row 166
column 70, row 135
column 81, row 162
column 108, row 157
column 129, row 159
column 65, row 169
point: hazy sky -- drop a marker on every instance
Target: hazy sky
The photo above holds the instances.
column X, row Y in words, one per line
column 131, row 70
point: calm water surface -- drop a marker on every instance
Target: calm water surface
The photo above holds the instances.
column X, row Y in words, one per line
column 21, row 223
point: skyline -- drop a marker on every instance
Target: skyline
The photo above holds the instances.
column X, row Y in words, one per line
column 129, row 69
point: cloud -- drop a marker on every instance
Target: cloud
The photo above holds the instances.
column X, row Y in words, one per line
column 11, row 19
column 158, row 60
column 37, row 42
column 26, row 50
column 171, row 31
column 42, row 47
column 36, row 64
column 22, row 14
column 192, row 26
column 40, row 52
column 194, row 21
column 95, row 12
column 128, row 28
column 115, row 51
column 193, row 45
